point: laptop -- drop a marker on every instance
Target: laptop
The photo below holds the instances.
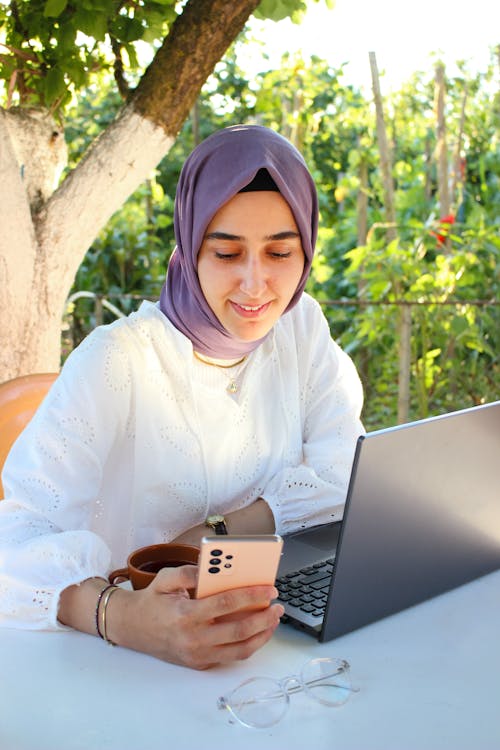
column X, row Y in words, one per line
column 422, row 516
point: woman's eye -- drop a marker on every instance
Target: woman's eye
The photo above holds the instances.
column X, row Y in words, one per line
column 225, row 256
column 278, row 255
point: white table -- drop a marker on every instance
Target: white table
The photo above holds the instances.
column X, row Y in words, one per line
column 429, row 679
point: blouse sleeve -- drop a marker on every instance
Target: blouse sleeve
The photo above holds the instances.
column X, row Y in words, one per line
column 51, row 480
column 313, row 490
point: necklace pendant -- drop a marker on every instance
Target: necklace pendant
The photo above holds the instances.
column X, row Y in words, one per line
column 232, row 388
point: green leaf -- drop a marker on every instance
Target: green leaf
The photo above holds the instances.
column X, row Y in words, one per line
column 66, row 38
column 93, row 24
column 55, row 85
column 54, row 8
column 132, row 55
column 157, row 192
column 277, row 10
column 76, row 71
column 127, row 29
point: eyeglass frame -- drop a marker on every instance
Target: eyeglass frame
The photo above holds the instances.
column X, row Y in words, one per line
column 283, row 685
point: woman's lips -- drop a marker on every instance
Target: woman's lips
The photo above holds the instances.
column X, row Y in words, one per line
column 250, row 311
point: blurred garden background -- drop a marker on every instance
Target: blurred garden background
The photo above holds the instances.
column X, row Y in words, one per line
column 407, row 268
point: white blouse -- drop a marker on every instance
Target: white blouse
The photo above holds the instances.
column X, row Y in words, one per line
column 137, row 441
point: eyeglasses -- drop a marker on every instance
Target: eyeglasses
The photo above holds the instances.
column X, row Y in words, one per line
column 261, row 702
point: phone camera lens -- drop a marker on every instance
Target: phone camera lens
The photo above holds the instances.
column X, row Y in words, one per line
column 214, row 570
column 229, row 557
column 216, row 552
column 215, row 561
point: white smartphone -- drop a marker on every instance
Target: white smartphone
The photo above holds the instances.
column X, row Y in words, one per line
column 230, row 562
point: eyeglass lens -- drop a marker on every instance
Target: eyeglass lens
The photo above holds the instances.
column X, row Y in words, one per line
column 261, row 701
column 258, row 702
column 327, row 681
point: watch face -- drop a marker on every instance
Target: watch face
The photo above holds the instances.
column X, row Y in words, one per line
column 217, row 523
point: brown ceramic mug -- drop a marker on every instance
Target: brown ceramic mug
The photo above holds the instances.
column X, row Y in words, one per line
column 144, row 563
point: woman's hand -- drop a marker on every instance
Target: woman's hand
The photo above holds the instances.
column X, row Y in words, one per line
column 162, row 620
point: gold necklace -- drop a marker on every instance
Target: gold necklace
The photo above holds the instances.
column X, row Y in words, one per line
column 232, row 386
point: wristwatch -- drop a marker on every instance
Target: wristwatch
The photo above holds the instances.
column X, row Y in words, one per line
column 217, row 523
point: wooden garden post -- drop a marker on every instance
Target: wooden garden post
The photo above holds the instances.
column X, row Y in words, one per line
column 404, row 311
column 441, row 146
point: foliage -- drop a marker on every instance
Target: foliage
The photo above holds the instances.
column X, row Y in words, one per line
column 455, row 342
column 276, row 10
column 52, row 46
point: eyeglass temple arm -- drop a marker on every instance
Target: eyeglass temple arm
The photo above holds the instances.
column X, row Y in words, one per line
column 224, row 703
column 297, row 688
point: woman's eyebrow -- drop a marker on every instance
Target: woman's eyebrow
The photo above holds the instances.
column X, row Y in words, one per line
column 286, row 235
column 222, row 236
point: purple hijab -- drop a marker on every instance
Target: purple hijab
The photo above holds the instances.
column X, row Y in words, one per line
column 214, row 172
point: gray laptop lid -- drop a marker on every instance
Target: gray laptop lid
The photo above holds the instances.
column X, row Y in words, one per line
column 422, row 516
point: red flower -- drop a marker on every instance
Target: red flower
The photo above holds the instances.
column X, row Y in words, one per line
column 445, row 222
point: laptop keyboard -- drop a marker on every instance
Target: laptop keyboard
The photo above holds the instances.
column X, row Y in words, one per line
column 307, row 588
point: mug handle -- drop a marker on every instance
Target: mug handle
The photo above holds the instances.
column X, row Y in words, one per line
column 119, row 573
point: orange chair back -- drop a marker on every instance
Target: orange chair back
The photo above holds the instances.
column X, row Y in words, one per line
column 19, row 400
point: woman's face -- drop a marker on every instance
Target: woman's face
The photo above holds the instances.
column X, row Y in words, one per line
column 250, row 263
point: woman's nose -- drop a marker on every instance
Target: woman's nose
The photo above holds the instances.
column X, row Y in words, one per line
column 253, row 278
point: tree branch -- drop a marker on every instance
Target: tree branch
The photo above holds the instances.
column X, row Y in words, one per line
column 142, row 134
column 196, row 42
column 121, row 81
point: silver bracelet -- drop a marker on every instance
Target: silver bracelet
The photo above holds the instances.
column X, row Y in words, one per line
column 98, row 604
column 103, row 598
column 111, row 590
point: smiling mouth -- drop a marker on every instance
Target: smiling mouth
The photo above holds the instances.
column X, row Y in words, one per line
column 250, row 310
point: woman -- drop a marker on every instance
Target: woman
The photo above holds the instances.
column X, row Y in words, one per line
column 228, row 397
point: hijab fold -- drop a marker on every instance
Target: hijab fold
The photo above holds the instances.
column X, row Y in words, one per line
column 215, row 171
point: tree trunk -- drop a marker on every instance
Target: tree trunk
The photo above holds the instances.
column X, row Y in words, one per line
column 27, row 314
column 44, row 238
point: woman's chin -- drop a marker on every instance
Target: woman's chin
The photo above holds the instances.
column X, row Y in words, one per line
column 247, row 337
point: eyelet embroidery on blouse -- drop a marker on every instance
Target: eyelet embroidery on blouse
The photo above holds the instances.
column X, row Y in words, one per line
column 81, row 427
column 116, row 369
column 181, row 439
column 190, row 495
column 98, row 508
column 152, row 375
column 41, row 598
column 35, row 487
column 245, row 469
